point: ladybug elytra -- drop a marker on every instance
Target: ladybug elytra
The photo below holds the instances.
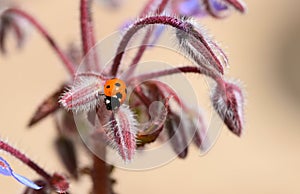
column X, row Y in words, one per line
column 115, row 93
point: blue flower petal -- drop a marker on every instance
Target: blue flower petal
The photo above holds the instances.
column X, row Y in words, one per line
column 218, row 5
column 5, row 168
column 189, row 7
column 26, row 181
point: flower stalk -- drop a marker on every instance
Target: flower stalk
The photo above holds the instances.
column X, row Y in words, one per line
column 177, row 23
column 88, row 35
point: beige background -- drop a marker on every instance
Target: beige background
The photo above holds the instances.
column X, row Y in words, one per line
column 263, row 52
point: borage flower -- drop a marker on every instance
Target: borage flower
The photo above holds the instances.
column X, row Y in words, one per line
column 6, row 170
column 55, row 182
column 214, row 8
column 122, row 124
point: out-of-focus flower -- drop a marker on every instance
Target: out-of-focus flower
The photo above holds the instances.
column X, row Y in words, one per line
column 201, row 8
column 6, row 170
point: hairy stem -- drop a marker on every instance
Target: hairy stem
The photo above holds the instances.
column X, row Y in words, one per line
column 22, row 157
column 88, row 35
column 68, row 64
column 165, row 20
column 147, row 76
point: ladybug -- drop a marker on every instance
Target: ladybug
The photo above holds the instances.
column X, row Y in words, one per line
column 115, row 93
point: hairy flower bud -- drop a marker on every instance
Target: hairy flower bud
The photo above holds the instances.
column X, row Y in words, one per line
column 83, row 94
column 202, row 50
column 228, row 101
column 121, row 132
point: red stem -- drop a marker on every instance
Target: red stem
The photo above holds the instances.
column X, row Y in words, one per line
column 172, row 93
column 147, row 76
column 184, row 69
column 166, row 20
column 42, row 30
column 88, row 35
column 16, row 153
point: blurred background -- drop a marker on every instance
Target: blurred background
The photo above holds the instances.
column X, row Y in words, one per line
column 263, row 48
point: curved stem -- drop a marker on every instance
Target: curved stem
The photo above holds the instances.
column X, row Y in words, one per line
column 172, row 93
column 68, row 64
column 184, row 69
column 16, row 153
column 165, row 20
column 87, row 35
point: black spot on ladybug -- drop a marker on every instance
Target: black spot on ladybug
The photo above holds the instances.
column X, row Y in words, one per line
column 108, row 86
column 119, row 95
column 117, row 84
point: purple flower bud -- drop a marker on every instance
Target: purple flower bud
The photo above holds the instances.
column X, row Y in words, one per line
column 6, row 170
column 228, row 101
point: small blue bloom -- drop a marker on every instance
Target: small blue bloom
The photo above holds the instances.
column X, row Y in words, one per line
column 216, row 8
column 190, row 8
column 6, row 170
column 218, row 5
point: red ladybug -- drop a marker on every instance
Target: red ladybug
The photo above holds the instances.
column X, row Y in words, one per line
column 115, row 93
